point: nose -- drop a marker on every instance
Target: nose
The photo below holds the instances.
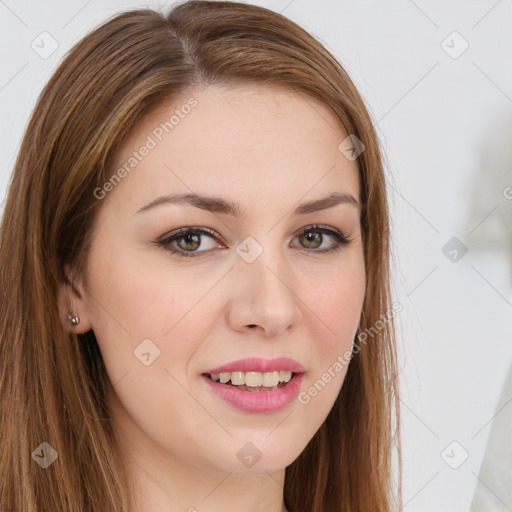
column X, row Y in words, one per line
column 263, row 298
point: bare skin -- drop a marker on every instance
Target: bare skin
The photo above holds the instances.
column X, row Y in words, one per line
column 268, row 150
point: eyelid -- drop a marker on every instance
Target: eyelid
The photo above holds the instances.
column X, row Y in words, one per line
column 324, row 228
column 188, row 229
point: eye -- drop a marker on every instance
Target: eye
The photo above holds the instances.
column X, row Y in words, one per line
column 312, row 238
column 186, row 241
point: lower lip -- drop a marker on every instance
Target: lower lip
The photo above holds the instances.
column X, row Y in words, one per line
column 258, row 401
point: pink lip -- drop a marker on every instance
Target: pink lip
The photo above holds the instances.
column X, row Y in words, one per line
column 257, row 401
column 256, row 364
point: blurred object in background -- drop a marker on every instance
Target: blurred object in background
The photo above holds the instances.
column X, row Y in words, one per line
column 494, row 487
column 490, row 215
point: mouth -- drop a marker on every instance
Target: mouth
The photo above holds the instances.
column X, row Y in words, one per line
column 256, row 385
column 255, row 382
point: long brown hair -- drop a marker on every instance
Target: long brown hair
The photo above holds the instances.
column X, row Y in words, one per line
column 53, row 383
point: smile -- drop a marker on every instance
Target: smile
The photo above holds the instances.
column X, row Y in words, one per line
column 257, row 385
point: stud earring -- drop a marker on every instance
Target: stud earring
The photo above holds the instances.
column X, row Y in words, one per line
column 73, row 320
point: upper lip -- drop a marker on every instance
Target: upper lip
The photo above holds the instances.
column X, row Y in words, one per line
column 256, row 364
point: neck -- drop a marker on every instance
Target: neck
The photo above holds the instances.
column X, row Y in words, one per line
column 199, row 492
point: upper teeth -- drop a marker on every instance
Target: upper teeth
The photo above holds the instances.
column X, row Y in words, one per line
column 253, row 379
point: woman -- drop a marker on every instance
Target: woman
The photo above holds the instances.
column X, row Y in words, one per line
column 195, row 306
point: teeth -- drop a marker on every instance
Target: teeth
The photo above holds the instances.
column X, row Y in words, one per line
column 237, row 378
column 284, row 376
column 270, row 379
column 253, row 379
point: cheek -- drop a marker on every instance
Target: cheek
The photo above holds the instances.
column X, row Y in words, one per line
column 335, row 316
column 336, row 305
column 136, row 301
column 147, row 326
column 144, row 298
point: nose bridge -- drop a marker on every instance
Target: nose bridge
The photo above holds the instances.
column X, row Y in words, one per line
column 270, row 276
column 264, row 289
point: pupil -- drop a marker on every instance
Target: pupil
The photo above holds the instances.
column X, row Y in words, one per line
column 191, row 239
column 313, row 239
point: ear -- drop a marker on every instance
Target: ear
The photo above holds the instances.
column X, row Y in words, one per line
column 71, row 298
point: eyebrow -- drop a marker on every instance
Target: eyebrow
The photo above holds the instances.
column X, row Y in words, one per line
column 222, row 206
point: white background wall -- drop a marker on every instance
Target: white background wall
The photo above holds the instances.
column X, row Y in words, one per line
column 446, row 129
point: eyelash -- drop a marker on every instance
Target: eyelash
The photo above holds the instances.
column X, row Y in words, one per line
column 341, row 239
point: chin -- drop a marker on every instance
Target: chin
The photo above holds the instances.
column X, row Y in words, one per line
column 258, row 453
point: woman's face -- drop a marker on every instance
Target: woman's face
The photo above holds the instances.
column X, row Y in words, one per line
column 247, row 289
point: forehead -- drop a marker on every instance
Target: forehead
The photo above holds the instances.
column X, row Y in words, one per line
column 241, row 141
